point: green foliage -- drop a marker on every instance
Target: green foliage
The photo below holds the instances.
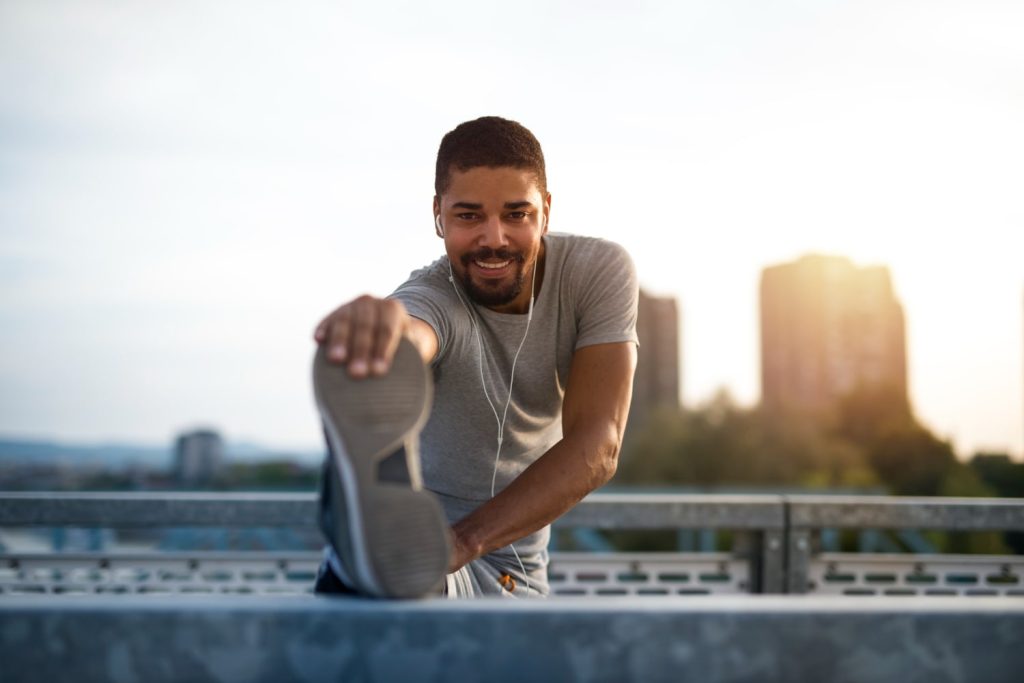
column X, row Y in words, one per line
column 911, row 461
column 721, row 443
column 996, row 470
column 869, row 412
column 962, row 481
column 284, row 475
column 905, row 455
column 869, row 440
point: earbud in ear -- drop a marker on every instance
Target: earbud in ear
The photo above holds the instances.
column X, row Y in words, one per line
column 437, row 226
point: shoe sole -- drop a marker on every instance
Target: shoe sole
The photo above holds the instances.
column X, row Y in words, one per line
column 397, row 542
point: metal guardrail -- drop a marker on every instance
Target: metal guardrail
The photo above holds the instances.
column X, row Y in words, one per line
column 893, row 512
column 600, row 574
column 879, row 574
column 810, row 571
column 153, row 573
column 603, row 510
column 755, row 564
column 774, row 550
column 128, row 510
column 581, row 574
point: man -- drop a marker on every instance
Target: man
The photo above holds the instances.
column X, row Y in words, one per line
column 531, row 344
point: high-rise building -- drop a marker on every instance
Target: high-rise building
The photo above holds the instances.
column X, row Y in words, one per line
column 198, row 456
column 827, row 328
column 657, row 378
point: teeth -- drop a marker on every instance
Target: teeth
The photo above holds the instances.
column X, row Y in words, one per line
column 492, row 266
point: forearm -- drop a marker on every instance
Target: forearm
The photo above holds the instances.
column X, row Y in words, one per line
column 594, row 414
column 571, row 469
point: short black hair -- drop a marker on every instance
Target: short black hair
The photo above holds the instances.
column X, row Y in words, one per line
column 489, row 141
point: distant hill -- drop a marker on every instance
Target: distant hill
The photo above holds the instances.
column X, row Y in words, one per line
column 247, row 451
column 30, row 452
column 117, row 455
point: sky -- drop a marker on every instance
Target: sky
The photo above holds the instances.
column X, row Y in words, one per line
column 187, row 188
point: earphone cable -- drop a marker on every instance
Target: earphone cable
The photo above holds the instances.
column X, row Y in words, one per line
column 483, row 385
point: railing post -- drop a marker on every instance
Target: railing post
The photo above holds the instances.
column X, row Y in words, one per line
column 798, row 559
column 772, row 561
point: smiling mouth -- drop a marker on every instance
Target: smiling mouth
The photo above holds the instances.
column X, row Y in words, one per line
column 492, row 277
column 492, row 265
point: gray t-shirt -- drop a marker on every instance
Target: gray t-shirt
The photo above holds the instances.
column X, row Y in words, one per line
column 588, row 296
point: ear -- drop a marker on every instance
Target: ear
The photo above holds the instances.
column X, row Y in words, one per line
column 437, row 217
column 546, row 213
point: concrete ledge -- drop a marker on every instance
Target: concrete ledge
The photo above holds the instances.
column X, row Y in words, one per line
column 755, row 638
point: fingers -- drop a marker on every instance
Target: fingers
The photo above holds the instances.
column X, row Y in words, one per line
column 320, row 333
column 338, row 344
column 390, row 326
column 333, row 331
column 363, row 334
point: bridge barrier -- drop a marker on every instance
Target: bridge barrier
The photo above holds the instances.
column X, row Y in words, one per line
column 775, row 545
column 760, row 638
column 130, row 615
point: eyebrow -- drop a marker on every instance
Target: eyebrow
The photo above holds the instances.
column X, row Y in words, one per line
column 471, row 206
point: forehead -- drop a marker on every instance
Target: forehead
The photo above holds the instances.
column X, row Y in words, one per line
column 500, row 184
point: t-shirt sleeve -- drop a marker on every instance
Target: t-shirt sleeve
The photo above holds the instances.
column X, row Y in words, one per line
column 423, row 299
column 607, row 291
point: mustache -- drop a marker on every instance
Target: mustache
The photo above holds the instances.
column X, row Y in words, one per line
column 485, row 253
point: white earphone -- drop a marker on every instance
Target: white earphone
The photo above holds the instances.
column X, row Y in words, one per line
column 483, row 385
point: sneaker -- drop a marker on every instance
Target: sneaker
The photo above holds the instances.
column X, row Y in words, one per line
column 390, row 535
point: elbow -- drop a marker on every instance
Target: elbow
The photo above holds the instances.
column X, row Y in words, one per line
column 611, row 464
column 605, row 463
column 595, row 458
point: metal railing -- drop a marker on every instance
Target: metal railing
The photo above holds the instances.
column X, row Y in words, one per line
column 775, row 545
column 809, row 570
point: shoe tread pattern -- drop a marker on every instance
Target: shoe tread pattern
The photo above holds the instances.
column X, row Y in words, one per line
column 405, row 532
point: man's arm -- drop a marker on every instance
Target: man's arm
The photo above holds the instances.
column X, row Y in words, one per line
column 594, row 412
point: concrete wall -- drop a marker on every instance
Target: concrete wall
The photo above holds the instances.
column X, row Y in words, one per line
column 747, row 638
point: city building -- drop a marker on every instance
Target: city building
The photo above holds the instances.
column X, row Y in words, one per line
column 828, row 327
column 198, row 456
column 657, row 380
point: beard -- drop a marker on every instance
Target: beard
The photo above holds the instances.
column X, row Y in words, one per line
column 498, row 292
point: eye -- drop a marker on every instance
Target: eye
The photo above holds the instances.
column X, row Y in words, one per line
column 468, row 216
column 517, row 215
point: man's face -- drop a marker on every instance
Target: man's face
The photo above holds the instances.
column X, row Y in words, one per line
column 493, row 221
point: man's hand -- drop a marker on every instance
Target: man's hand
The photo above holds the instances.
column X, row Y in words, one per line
column 363, row 334
column 462, row 553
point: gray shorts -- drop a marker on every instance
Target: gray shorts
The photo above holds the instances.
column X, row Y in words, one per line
column 500, row 575
column 497, row 574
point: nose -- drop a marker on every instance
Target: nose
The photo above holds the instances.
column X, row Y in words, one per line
column 493, row 233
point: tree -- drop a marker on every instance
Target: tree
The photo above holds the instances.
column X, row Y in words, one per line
column 722, row 444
